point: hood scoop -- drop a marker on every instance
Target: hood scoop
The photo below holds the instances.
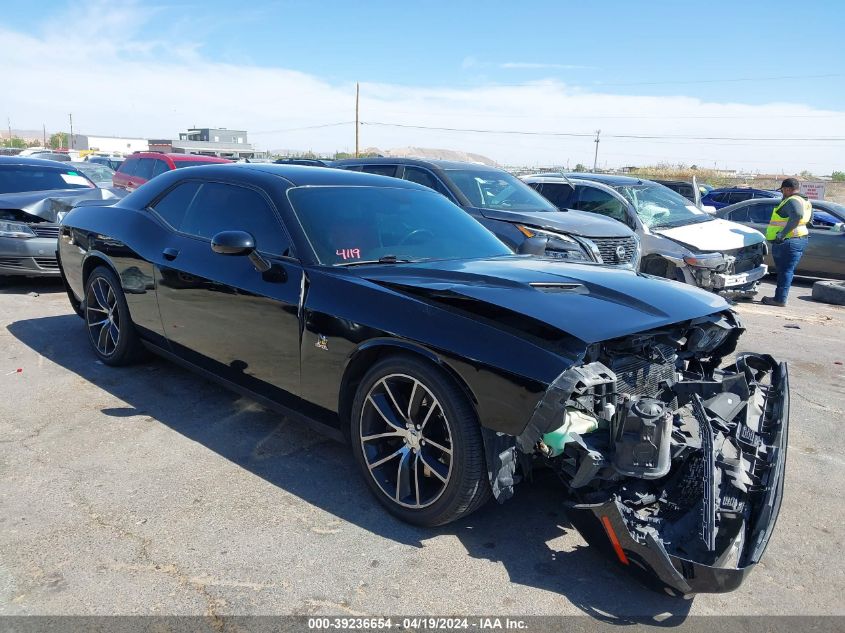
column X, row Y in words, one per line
column 559, row 287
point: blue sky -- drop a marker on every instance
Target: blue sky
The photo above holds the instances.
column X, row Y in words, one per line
column 462, row 64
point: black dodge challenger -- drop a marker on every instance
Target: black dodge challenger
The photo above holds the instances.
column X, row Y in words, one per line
column 381, row 313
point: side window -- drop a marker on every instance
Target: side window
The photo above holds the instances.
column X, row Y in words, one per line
column 222, row 207
column 128, row 166
column 560, row 195
column 597, row 201
column 739, row 196
column 175, row 203
column 761, row 212
column 381, row 170
column 159, row 168
column 145, row 168
column 740, row 215
column 425, row 178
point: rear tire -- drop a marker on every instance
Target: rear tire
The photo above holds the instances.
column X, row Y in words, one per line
column 110, row 329
column 416, row 438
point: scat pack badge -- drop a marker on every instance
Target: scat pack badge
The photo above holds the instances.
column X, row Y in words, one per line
column 322, row 342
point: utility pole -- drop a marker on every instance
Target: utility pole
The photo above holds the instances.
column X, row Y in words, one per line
column 70, row 140
column 357, row 124
column 9, row 124
column 596, row 157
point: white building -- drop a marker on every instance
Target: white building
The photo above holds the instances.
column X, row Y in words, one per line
column 109, row 144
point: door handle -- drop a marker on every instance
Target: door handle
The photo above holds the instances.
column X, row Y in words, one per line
column 170, row 254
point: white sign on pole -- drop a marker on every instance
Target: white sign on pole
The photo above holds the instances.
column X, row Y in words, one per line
column 813, row 190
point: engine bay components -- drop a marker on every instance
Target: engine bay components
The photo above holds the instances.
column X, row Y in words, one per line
column 674, row 464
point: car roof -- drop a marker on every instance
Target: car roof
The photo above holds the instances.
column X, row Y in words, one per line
column 179, row 157
column 35, row 162
column 607, row 179
column 420, row 162
column 303, row 176
column 740, row 188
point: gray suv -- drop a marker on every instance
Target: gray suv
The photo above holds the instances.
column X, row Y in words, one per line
column 513, row 211
column 679, row 240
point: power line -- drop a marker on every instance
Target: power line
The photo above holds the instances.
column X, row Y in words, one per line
column 590, row 134
column 306, row 127
column 624, row 116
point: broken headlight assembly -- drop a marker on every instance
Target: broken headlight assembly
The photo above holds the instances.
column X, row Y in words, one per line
column 15, row 229
column 558, row 246
column 707, row 260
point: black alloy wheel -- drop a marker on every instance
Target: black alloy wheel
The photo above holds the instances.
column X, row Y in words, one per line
column 417, row 440
column 110, row 328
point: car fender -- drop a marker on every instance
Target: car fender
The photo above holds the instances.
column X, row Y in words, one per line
column 362, row 358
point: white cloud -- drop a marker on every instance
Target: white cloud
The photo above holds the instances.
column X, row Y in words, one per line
column 543, row 66
column 96, row 66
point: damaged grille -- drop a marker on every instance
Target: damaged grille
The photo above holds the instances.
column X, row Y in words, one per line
column 609, row 248
column 748, row 258
column 640, row 377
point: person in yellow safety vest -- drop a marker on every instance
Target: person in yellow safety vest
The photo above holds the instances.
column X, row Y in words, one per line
column 788, row 236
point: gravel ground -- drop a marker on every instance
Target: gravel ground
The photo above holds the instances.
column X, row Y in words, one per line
column 148, row 490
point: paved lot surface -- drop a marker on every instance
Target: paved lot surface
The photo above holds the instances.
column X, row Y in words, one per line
column 149, row 490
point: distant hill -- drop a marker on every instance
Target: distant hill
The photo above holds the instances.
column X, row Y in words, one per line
column 432, row 153
column 27, row 135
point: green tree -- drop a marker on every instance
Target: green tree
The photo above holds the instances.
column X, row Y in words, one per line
column 15, row 141
column 579, row 167
column 838, row 176
column 59, row 139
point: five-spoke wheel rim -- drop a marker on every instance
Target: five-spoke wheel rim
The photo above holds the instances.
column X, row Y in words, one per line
column 406, row 441
column 102, row 316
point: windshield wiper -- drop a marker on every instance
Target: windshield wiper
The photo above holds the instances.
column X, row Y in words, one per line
column 386, row 259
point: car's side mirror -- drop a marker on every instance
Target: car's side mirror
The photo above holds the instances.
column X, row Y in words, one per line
column 534, row 246
column 233, row 243
column 239, row 243
column 839, row 227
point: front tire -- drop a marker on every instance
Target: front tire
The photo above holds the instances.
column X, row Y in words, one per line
column 110, row 328
column 416, row 438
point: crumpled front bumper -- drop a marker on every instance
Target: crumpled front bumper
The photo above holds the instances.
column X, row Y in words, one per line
column 604, row 525
column 727, row 284
column 723, row 281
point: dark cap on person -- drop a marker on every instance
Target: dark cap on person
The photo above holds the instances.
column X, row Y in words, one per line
column 790, row 183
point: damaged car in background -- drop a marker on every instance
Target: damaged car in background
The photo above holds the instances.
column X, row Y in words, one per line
column 34, row 196
column 679, row 240
column 379, row 312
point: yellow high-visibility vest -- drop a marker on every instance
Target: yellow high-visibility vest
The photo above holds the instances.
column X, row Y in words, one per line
column 777, row 223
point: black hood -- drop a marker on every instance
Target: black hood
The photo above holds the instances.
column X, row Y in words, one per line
column 48, row 204
column 578, row 223
column 590, row 302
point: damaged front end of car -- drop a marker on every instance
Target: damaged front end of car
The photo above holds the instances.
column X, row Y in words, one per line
column 675, row 465
column 734, row 274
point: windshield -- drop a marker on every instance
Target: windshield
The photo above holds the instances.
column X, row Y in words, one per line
column 363, row 224
column 488, row 189
column 22, row 178
column 834, row 209
column 660, row 208
column 96, row 172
